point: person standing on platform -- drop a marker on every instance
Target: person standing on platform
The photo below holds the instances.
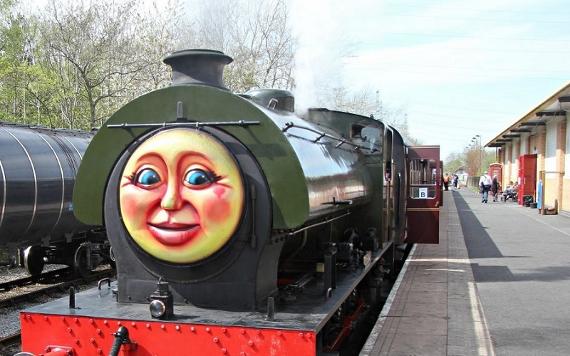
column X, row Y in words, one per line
column 485, row 185
column 455, row 180
column 495, row 187
column 446, row 181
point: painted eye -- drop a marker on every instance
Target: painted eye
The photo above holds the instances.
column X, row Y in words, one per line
column 147, row 177
column 198, row 177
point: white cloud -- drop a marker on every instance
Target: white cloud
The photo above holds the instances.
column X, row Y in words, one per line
column 416, row 51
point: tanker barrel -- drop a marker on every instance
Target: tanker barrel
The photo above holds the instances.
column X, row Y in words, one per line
column 38, row 168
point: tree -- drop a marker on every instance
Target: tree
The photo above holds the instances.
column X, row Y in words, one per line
column 361, row 102
column 473, row 159
column 489, row 156
column 158, row 31
column 453, row 162
column 94, row 49
column 12, row 61
column 74, row 64
column 364, row 103
column 256, row 34
column 25, row 85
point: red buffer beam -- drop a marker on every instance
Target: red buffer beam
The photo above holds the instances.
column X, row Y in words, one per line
column 79, row 336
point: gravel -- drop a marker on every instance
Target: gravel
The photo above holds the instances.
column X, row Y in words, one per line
column 9, row 315
column 11, row 273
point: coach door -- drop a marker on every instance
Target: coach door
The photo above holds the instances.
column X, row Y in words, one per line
column 424, row 194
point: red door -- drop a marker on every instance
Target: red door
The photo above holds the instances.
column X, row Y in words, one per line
column 527, row 177
column 424, row 194
column 496, row 169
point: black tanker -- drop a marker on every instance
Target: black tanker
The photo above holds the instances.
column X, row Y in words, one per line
column 37, row 175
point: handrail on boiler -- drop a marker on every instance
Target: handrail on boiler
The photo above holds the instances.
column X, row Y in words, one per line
column 322, row 134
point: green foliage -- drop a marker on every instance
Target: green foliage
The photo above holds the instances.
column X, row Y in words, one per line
column 23, row 82
column 473, row 160
column 73, row 64
column 489, row 157
column 453, row 162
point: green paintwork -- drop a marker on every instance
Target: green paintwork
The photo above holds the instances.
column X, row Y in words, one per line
column 206, row 104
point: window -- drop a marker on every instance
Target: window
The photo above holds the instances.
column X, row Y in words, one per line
column 423, row 179
column 368, row 136
column 373, row 138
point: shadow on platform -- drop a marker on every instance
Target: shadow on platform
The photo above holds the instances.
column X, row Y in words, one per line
column 480, row 245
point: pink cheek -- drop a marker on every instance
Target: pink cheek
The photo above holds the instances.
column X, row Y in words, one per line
column 217, row 210
column 136, row 203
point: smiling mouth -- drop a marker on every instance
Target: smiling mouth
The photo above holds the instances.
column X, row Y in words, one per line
column 173, row 234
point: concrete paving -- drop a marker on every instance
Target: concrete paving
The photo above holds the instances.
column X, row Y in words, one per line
column 433, row 308
column 495, row 285
column 521, row 265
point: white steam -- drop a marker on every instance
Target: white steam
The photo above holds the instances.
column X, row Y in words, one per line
column 320, row 48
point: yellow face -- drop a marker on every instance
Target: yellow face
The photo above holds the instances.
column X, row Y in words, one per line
column 181, row 195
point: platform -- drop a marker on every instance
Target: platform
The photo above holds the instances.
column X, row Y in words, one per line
column 433, row 308
column 496, row 284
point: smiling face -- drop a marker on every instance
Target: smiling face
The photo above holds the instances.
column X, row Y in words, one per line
column 181, row 195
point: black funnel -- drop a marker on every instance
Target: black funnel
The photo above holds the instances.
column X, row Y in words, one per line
column 198, row 66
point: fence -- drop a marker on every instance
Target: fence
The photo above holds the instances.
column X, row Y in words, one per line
column 473, row 182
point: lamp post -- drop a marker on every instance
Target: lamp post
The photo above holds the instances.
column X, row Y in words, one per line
column 477, row 141
column 472, row 148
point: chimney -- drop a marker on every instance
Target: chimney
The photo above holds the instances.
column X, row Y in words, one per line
column 198, row 66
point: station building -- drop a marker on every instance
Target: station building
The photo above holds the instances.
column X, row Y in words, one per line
column 535, row 152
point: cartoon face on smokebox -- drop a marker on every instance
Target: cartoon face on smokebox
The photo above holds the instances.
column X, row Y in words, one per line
column 181, row 195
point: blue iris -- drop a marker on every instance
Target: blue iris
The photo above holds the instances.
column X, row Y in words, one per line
column 148, row 177
column 198, row 177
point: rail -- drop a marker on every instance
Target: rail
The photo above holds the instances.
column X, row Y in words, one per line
column 45, row 276
column 194, row 124
column 340, row 140
column 58, row 287
column 10, row 340
column 294, row 232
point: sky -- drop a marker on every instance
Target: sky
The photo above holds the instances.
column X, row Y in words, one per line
column 456, row 68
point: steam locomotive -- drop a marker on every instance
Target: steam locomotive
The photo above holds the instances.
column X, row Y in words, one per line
column 238, row 227
column 38, row 167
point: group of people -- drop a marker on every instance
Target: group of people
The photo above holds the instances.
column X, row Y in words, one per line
column 486, row 184
column 453, row 179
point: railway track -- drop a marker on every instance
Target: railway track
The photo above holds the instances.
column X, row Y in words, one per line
column 26, row 296
column 10, row 342
column 22, row 297
column 45, row 277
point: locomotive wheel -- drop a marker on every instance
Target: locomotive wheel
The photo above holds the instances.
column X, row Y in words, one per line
column 112, row 260
column 81, row 261
column 34, row 260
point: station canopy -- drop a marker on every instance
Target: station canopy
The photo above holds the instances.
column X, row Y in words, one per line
column 553, row 107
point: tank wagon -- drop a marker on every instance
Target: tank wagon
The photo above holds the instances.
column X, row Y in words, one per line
column 238, row 227
column 38, row 168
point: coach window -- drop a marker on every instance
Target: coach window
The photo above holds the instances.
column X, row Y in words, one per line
column 423, row 179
